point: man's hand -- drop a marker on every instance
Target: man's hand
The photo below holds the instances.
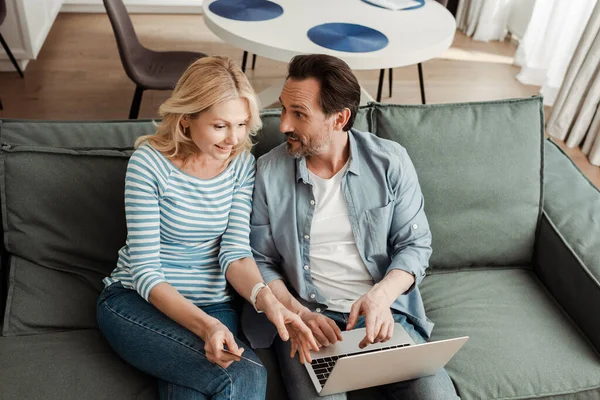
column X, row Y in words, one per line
column 375, row 306
column 323, row 328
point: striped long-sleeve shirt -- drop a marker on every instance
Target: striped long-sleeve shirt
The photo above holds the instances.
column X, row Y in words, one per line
column 182, row 229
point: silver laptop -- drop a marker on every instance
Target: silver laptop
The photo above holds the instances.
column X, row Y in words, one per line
column 344, row 366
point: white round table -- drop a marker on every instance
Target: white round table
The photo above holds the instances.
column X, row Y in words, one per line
column 414, row 35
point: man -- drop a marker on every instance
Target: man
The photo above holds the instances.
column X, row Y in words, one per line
column 338, row 219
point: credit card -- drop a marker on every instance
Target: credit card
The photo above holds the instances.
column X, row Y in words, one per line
column 242, row 357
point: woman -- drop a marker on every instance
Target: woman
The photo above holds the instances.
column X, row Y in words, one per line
column 166, row 308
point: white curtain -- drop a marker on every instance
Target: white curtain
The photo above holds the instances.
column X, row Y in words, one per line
column 548, row 45
column 483, row 19
column 575, row 115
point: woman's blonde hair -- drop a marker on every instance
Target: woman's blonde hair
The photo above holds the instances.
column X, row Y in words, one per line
column 208, row 81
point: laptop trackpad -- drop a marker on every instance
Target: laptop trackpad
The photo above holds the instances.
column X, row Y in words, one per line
column 353, row 338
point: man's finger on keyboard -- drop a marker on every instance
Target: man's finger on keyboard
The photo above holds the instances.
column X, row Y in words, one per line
column 371, row 324
column 364, row 343
column 382, row 334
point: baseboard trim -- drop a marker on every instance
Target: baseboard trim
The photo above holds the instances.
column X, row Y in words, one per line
column 136, row 8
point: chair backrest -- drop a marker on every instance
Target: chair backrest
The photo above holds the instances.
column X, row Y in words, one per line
column 2, row 11
column 127, row 41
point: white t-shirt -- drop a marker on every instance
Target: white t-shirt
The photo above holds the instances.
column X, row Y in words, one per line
column 337, row 269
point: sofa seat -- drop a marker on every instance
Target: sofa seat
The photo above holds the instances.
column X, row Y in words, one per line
column 522, row 345
column 68, row 365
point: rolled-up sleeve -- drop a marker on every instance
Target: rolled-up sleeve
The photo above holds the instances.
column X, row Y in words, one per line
column 235, row 242
column 261, row 237
column 410, row 236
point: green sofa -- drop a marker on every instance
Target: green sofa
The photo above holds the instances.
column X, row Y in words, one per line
column 515, row 266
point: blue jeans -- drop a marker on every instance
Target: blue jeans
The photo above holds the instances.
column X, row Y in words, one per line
column 300, row 387
column 153, row 343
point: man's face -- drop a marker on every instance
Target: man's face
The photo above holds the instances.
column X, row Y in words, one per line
column 308, row 129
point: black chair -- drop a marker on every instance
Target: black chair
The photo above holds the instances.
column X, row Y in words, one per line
column 6, row 48
column 391, row 77
column 148, row 69
column 245, row 59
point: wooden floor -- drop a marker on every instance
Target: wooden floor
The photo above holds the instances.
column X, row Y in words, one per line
column 78, row 74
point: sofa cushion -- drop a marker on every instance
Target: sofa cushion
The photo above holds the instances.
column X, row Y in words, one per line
column 572, row 205
column 479, row 166
column 74, row 134
column 521, row 345
column 117, row 138
column 68, row 366
column 62, row 210
column 568, row 242
column 42, row 299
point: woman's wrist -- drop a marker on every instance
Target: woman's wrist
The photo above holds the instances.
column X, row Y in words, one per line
column 265, row 300
column 203, row 325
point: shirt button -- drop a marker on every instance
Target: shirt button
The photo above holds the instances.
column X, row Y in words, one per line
column 312, row 296
column 318, row 310
column 306, row 237
column 415, row 226
column 312, row 202
column 306, row 267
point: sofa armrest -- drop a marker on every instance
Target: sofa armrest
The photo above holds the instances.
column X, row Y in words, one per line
column 567, row 254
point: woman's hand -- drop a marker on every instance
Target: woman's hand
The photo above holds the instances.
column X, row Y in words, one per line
column 216, row 336
column 289, row 325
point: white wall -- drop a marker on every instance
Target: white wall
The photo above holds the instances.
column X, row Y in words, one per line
column 138, row 6
column 25, row 29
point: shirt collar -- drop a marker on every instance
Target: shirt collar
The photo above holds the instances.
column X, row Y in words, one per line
column 353, row 167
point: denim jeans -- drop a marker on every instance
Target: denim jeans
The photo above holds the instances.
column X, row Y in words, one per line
column 300, row 387
column 153, row 343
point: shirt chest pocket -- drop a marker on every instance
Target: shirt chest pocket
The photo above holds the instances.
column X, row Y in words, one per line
column 377, row 227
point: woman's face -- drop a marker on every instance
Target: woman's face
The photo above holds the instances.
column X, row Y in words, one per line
column 219, row 129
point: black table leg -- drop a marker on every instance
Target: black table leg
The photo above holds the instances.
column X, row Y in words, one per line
column 244, row 59
column 380, row 86
column 391, row 79
column 421, row 83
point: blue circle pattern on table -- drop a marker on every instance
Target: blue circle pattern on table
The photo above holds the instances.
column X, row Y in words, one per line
column 421, row 4
column 351, row 38
column 246, row 10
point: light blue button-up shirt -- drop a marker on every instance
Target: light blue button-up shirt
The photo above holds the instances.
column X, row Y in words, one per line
column 385, row 207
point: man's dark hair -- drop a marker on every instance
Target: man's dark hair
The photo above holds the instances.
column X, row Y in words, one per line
column 339, row 86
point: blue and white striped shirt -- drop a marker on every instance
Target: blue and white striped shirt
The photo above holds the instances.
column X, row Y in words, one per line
column 182, row 229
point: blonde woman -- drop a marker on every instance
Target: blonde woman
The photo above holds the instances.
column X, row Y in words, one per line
column 167, row 307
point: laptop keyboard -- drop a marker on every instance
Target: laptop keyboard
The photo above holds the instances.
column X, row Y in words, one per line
column 324, row 366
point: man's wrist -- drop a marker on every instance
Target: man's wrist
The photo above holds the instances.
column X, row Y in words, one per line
column 382, row 291
column 394, row 284
column 302, row 311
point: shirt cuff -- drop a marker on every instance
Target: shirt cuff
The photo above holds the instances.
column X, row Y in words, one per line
column 410, row 264
column 269, row 273
column 226, row 259
column 145, row 283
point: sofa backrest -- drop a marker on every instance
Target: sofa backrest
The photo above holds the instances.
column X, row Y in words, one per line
column 61, row 193
column 480, row 168
column 63, row 217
